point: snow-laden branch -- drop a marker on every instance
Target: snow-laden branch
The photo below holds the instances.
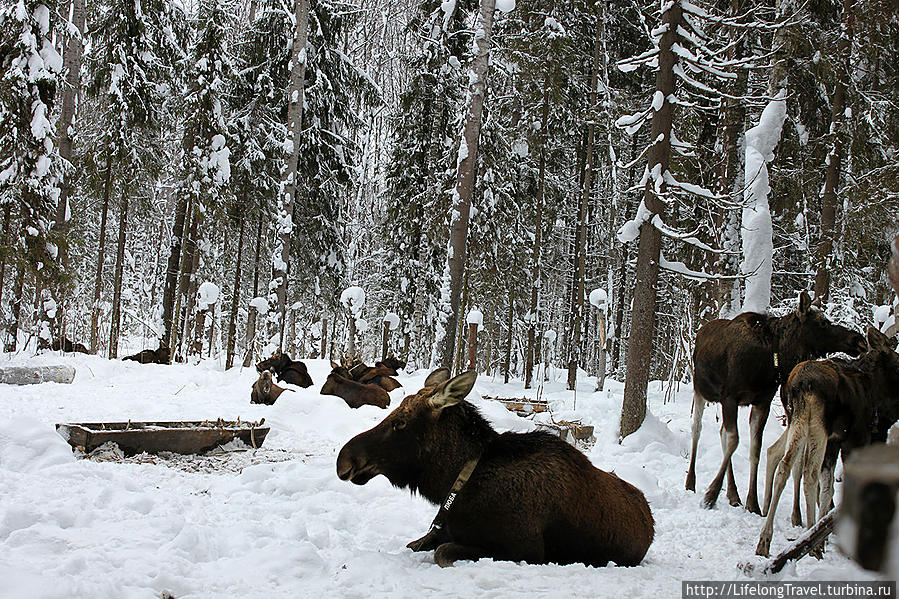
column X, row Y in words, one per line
column 689, row 238
column 696, row 275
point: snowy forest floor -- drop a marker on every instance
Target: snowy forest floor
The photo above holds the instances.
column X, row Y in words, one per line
column 278, row 522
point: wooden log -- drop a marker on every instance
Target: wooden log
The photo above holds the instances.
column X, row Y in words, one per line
column 33, row 375
column 808, row 542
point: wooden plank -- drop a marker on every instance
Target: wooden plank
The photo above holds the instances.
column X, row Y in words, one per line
column 184, row 437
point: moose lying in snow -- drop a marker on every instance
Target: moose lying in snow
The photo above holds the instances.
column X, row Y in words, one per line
column 287, row 370
column 160, row 355
column 379, row 375
column 530, row 496
column 741, row 362
column 65, row 344
column 353, row 393
column 265, row 391
column 838, row 405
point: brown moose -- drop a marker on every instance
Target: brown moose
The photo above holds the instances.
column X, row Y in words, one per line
column 531, row 497
column 286, row 369
column 742, row 362
column 353, row 393
column 265, row 391
column 160, row 355
column 838, row 406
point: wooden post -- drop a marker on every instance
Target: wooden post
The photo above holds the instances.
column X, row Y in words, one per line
column 472, row 345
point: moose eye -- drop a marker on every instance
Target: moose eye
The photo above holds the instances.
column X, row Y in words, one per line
column 399, row 424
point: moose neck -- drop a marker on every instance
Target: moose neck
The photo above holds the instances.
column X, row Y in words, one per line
column 460, row 435
column 783, row 335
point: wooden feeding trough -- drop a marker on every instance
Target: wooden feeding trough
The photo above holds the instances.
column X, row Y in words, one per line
column 522, row 406
column 184, row 437
column 573, row 432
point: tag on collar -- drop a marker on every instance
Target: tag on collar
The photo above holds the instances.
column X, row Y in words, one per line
column 776, row 361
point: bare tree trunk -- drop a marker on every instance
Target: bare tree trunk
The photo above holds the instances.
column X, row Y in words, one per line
column 472, row 346
column 643, row 317
column 385, row 339
column 116, row 321
column 533, row 312
column 465, row 175
column 18, row 290
column 5, row 247
column 580, row 243
column 101, row 253
column 235, row 299
column 173, row 267
column 251, row 314
column 287, row 199
column 510, row 324
column 72, row 68
column 324, row 349
column 825, row 256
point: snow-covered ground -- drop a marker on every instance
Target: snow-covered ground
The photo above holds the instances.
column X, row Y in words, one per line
column 278, row 522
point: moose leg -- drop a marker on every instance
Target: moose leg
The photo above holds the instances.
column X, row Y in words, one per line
column 757, row 419
column 530, row 550
column 795, row 442
column 796, row 517
column 729, row 440
column 775, row 455
column 434, row 539
column 733, row 496
column 698, row 409
column 825, row 491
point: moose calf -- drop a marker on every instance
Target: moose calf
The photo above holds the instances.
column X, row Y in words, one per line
column 838, row 406
column 530, row 497
column 265, row 391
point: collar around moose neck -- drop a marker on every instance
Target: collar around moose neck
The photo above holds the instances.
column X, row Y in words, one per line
column 440, row 519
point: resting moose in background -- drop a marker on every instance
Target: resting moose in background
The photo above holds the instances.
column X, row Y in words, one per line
column 741, row 362
column 393, row 363
column 160, row 355
column 353, row 393
column 379, row 375
column 287, row 370
column 530, row 497
column 837, row 406
column 65, row 344
column 265, row 391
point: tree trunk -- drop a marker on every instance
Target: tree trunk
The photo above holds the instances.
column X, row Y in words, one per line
column 101, row 253
column 5, row 247
column 287, row 199
column 116, row 321
column 472, row 346
column 576, row 323
column 251, row 313
column 466, row 169
column 18, row 290
column 183, row 276
column 385, row 339
column 643, row 317
column 534, row 310
column 171, row 274
column 235, row 299
column 825, row 256
column 72, row 68
column 324, row 349
column 510, row 324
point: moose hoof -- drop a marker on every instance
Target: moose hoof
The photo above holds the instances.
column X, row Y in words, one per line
column 443, row 556
column 426, row 543
column 734, row 501
column 709, row 501
column 753, row 507
column 691, row 483
column 764, row 547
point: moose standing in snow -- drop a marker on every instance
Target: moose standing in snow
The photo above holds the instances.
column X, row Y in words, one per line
column 528, row 497
column 742, row 362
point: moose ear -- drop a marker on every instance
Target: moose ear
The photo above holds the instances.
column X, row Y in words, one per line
column 454, row 390
column 805, row 303
column 334, row 364
column 441, row 375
